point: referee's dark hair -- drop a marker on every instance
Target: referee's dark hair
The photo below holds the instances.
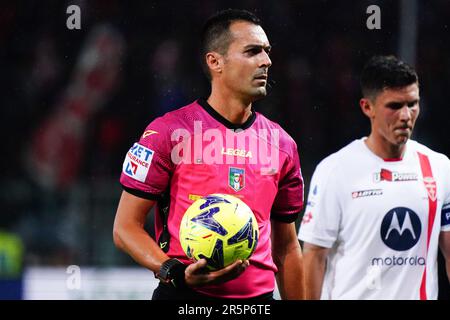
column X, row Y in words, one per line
column 382, row 72
column 216, row 35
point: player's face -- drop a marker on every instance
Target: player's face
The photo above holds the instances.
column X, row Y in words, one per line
column 394, row 114
column 246, row 63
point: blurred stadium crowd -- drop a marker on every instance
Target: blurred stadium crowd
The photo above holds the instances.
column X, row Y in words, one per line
column 73, row 101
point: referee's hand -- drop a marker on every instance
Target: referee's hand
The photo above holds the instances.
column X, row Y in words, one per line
column 197, row 274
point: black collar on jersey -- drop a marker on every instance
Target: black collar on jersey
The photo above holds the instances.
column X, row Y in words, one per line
column 225, row 122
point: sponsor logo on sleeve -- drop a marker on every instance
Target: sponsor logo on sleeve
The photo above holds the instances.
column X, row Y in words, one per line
column 445, row 221
column 137, row 162
column 307, row 218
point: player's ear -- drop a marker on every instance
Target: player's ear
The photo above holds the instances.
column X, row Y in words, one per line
column 214, row 62
column 366, row 107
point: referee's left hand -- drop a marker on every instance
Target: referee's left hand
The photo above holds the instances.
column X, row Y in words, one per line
column 198, row 275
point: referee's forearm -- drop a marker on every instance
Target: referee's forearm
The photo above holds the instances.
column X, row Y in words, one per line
column 135, row 241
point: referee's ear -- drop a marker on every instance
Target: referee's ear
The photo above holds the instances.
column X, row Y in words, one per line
column 214, row 62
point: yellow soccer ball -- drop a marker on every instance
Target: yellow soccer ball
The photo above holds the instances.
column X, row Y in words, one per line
column 220, row 228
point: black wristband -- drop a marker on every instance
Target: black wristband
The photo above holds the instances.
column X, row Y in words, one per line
column 172, row 272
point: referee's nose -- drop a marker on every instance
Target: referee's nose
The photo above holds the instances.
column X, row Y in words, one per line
column 265, row 60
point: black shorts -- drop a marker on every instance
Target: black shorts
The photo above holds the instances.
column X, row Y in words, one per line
column 168, row 292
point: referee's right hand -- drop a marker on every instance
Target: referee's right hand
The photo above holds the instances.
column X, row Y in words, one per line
column 197, row 274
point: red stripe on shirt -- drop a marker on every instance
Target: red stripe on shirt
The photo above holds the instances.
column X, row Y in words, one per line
column 430, row 185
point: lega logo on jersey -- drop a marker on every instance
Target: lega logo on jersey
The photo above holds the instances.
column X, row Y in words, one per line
column 401, row 229
column 137, row 162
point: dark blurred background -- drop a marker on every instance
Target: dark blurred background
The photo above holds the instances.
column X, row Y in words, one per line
column 73, row 101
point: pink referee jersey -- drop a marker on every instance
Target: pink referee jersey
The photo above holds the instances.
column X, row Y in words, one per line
column 193, row 152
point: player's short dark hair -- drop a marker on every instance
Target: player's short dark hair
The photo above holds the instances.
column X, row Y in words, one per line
column 382, row 72
column 216, row 36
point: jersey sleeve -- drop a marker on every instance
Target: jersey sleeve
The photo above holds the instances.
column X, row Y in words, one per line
column 320, row 223
column 289, row 199
column 445, row 216
column 147, row 166
column 445, row 213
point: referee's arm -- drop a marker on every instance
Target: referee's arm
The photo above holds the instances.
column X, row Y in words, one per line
column 287, row 255
column 130, row 236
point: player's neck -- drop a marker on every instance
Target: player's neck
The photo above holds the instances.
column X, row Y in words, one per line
column 234, row 110
column 384, row 149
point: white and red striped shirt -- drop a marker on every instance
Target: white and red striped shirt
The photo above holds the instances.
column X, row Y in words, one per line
column 381, row 219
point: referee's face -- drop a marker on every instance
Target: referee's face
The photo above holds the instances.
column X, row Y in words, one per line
column 246, row 63
column 394, row 114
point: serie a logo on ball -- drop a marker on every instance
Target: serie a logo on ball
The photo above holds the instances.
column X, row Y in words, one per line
column 219, row 228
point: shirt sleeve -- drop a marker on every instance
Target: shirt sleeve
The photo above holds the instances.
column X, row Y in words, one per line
column 147, row 166
column 320, row 223
column 445, row 217
column 445, row 213
column 289, row 199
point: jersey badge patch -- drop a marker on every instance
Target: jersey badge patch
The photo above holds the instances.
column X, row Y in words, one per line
column 445, row 221
column 236, row 178
column 137, row 162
